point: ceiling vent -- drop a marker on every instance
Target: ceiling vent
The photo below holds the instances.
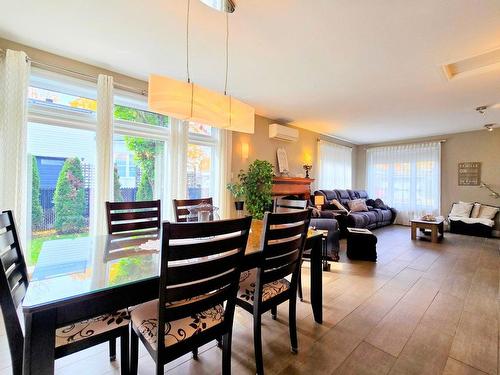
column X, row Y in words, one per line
column 472, row 65
column 283, row 133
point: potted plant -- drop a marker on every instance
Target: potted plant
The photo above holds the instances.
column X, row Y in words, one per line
column 237, row 190
column 257, row 183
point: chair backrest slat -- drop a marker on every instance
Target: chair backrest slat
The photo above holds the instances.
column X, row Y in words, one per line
column 283, row 242
column 133, row 216
column 181, row 207
column 193, row 249
column 201, row 270
column 13, row 286
column 195, row 279
column 290, row 205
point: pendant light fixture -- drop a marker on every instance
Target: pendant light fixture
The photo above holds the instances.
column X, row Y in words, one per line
column 189, row 101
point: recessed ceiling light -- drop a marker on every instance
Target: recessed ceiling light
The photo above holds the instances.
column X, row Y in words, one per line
column 484, row 62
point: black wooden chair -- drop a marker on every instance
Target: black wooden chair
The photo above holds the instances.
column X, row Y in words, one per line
column 69, row 339
column 181, row 207
column 264, row 288
column 292, row 205
column 133, row 216
column 200, row 270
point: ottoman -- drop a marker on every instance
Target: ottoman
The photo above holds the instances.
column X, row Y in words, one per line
column 361, row 244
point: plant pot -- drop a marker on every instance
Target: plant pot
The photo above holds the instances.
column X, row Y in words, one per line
column 239, row 205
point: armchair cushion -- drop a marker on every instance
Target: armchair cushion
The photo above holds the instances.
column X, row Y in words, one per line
column 91, row 327
column 248, row 279
column 145, row 318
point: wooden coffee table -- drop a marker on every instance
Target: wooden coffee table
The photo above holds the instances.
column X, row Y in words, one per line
column 436, row 227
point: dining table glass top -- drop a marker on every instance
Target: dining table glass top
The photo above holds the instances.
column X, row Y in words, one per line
column 69, row 268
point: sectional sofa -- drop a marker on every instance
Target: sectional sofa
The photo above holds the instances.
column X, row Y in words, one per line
column 378, row 215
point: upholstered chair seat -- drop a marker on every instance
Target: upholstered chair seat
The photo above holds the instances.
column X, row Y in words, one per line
column 145, row 320
column 248, row 279
column 91, row 327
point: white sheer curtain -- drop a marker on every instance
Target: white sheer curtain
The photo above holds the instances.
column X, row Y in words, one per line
column 14, row 78
column 177, row 164
column 334, row 166
column 223, row 172
column 407, row 177
column 104, row 152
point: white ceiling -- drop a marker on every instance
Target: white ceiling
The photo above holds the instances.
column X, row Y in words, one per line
column 366, row 71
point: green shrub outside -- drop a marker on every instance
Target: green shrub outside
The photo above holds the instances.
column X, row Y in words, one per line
column 69, row 198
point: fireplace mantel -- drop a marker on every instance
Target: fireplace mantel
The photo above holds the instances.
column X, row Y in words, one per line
column 300, row 186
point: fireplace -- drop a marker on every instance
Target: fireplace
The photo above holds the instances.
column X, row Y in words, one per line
column 298, row 186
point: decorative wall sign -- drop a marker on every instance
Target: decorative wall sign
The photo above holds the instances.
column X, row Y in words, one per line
column 469, row 173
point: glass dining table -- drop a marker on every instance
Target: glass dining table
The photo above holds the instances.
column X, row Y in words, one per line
column 77, row 279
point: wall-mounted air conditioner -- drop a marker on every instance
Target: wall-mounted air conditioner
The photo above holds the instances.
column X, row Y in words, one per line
column 283, row 133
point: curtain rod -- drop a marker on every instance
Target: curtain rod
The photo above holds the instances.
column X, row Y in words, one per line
column 340, row 144
column 87, row 77
column 407, row 143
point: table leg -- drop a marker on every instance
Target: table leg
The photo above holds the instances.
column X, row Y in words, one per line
column 413, row 231
column 434, row 234
column 39, row 343
column 441, row 229
column 317, row 280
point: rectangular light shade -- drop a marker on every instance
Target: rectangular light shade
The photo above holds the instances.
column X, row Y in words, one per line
column 187, row 101
column 319, row 200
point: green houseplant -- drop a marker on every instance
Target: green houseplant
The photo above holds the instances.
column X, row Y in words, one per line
column 258, row 183
column 237, row 190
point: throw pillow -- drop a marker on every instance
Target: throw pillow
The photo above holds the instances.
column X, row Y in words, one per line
column 475, row 210
column 379, row 203
column 337, row 204
column 488, row 212
column 461, row 209
column 357, row 205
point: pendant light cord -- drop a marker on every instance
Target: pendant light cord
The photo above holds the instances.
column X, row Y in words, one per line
column 227, row 53
column 187, row 40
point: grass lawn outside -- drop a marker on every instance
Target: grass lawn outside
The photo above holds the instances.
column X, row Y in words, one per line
column 38, row 240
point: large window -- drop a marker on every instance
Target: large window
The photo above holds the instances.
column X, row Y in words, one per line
column 406, row 177
column 139, row 149
column 334, row 166
column 61, row 160
column 200, row 161
column 154, row 157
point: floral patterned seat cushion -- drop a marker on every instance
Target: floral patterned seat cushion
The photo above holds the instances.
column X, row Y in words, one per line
column 91, row 327
column 246, row 291
column 145, row 318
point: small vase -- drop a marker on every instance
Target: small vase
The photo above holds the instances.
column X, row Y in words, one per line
column 239, row 205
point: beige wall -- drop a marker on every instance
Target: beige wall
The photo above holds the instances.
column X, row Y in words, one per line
column 263, row 148
column 481, row 145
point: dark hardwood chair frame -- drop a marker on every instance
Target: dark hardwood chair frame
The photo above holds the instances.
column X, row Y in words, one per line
column 181, row 207
column 133, row 216
column 13, row 286
column 215, row 280
column 282, row 246
column 291, row 205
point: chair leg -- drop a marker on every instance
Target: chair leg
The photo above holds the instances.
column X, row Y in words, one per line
column 299, row 282
column 134, row 352
column 292, row 322
column 124, row 354
column 112, row 350
column 226, row 354
column 195, row 353
column 274, row 312
column 257, row 343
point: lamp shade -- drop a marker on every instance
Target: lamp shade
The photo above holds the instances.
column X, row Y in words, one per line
column 319, row 200
column 187, row 101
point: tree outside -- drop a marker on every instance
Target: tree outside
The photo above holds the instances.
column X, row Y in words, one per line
column 36, row 206
column 69, row 198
